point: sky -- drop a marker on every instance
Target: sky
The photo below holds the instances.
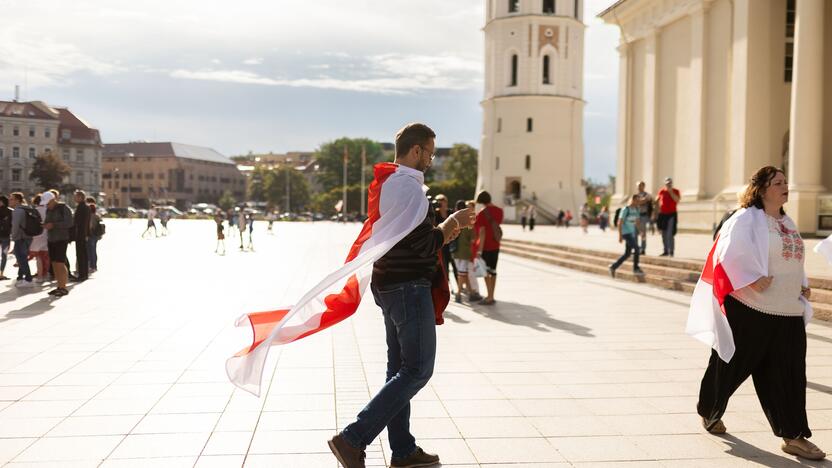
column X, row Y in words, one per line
column 276, row 75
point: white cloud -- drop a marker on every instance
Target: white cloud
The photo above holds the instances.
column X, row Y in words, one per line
column 384, row 74
column 43, row 61
column 253, row 61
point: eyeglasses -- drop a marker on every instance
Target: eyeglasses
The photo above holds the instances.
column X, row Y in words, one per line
column 432, row 155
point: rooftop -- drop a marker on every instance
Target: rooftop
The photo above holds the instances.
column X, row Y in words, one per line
column 166, row 149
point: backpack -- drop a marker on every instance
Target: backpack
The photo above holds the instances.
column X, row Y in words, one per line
column 496, row 230
column 616, row 217
column 100, row 229
column 32, row 223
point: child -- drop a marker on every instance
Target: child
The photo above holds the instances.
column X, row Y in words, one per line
column 464, row 258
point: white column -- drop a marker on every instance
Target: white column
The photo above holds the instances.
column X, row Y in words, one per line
column 695, row 159
column 623, row 182
column 649, row 143
column 806, row 132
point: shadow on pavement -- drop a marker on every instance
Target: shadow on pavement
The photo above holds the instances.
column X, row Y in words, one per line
column 453, row 317
column 31, row 310
column 742, row 449
column 530, row 316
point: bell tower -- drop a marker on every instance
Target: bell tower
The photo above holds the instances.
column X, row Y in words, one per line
column 532, row 133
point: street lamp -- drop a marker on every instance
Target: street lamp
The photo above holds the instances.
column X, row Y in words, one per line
column 130, row 180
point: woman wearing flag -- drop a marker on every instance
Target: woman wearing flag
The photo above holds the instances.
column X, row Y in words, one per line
column 751, row 305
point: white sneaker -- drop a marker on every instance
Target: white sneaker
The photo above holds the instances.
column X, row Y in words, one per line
column 25, row 284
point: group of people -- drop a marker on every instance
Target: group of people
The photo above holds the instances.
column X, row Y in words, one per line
column 239, row 221
column 42, row 229
column 474, row 252
column 164, row 219
column 634, row 220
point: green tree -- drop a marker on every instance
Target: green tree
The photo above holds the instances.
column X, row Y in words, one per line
column 49, row 171
column 453, row 189
column 274, row 189
column 227, row 201
column 256, row 186
column 330, row 158
column 462, row 164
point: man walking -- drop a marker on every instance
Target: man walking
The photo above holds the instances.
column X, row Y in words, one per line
column 401, row 285
column 21, row 240
column 645, row 209
column 490, row 234
column 82, row 233
column 668, row 197
column 629, row 224
column 5, row 234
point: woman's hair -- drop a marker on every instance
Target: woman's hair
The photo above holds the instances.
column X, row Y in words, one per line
column 760, row 181
column 460, row 205
column 36, row 200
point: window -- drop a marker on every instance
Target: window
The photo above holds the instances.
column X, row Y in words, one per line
column 513, row 81
column 1, row 129
column 528, row 162
column 1, row 153
column 549, row 6
column 499, row 125
column 546, row 64
column 788, row 61
column 578, row 10
column 66, row 134
column 31, row 132
column 81, row 179
column 32, row 152
column 79, row 155
column 497, row 165
column 16, row 131
column 47, row 132
column 529, row 124
column 47, row 150
column 2, row 175
column 513, row 6
column 16, row 175
column 15, row 152
column 65, row 154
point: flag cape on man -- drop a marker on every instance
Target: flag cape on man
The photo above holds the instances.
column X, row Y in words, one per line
column 824, row 248
column 396, row 205
column 739, row 257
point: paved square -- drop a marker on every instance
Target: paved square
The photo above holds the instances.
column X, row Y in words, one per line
column 567, row 370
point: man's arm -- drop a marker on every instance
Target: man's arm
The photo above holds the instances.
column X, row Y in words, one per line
column 17, row 220
column 481, row 242
column 674, row 194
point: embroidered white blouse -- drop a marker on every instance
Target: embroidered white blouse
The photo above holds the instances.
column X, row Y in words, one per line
column 785, row 265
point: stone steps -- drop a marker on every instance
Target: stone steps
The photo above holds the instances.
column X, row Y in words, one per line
column 669, row 273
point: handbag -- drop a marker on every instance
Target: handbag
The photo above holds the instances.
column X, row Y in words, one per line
column 479, row 268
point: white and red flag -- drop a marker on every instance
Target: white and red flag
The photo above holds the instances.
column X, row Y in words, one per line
column 824, row 248
column 738, row 258
column 396, row 205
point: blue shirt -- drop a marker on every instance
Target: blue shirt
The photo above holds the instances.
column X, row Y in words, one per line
column 628, row 218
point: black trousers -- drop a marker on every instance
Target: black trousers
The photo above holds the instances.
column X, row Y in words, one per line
column 81, row 259
column 772, row 350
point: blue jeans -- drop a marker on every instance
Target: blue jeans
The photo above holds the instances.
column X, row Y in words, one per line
column 667, row 236
column 92, row 253
column 631, row 243
column 411, row 352
column 21, row 253
column 4, row 253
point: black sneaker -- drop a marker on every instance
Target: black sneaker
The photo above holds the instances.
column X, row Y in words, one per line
column 637, row 271
column 347, row 455
column 612, row 271
column 416, row 459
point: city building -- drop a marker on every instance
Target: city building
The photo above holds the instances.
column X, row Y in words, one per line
column 712, row 90
column 142, row 173
column 30, row 129
column 532, row 137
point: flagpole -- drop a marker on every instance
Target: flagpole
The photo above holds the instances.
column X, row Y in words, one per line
column 363, row 164
column 344, row 195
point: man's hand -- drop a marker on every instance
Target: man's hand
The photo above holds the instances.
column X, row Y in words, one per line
column 806, row 292
column 465, row 217
column 620, row 239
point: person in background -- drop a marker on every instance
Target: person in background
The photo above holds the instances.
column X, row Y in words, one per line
column 220, row 234
column 164, row 217
column 645, row 209
column 523, row 214
column 567, row 218
column 39, row 248
column 95, row 235
column 251, row 231
column 561, row 217
column 21, row 240
column 489, row 234
column 465, row 258
column 442, row 213
column 604, row 218
column 81, row 225
column 668, row 198
column 151, row 222
column 532, row 216
column 629, row 224
column 585, row 217
column 5, row 234
column 58, row 223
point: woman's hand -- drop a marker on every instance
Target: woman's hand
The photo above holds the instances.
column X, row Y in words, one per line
column 762, row 284
column 806, row 292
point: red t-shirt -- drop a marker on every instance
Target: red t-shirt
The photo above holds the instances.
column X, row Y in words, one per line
column 483, row 223
column 666, row 203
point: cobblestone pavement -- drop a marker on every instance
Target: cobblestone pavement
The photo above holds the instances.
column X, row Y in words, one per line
column 567, row 369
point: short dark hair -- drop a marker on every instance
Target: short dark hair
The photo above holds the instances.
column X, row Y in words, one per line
column 90, row 200
column 36, row 200
column 55, row 192
column 18, row 196
column 412, row 135
column 484, row 197
column 82, row 193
